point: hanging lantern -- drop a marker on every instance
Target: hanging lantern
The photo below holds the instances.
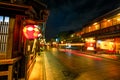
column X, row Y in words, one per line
column 31, row 32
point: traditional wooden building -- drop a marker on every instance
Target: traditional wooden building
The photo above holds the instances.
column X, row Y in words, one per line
column 103, row 33
column 16, row 56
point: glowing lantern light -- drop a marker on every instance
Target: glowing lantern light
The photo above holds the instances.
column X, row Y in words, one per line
column 30, row 28
column 31, row 32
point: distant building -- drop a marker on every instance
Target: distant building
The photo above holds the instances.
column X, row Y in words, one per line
column 103, row 33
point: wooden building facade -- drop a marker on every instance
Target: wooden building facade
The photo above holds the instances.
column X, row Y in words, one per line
column 103, row 33
column 15, row 59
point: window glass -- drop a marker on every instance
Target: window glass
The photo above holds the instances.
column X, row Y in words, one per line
column 6, row 19
column 1, row 18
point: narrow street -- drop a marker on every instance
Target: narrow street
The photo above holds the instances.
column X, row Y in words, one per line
column 71, row 65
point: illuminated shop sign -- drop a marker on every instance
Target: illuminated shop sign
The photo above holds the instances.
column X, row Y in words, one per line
column 90, row 46
column 90, row 43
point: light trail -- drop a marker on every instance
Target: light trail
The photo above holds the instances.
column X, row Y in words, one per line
column 78, row 53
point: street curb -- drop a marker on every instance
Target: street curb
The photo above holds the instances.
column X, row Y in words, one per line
column 44, row 69
column 103, row 57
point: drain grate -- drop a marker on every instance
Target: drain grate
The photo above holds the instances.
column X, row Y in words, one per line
column 69, row 74
column 66, row 73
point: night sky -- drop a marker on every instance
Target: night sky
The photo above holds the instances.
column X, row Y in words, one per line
column 68, row 15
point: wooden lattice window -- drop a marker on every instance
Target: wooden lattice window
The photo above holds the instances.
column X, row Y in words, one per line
column 4, row 25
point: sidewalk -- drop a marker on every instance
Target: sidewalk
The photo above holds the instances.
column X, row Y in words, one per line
column 37, row 72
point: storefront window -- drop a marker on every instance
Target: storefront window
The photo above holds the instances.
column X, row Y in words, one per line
column 107, row 44
column 109, row 22
column 90, row 43
column 106, row 23
column 95, row 26
column 89, row 29
column 86, row 30
column 116, row 20
column 103, row 24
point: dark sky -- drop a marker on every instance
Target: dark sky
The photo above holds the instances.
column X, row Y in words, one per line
column 68, row 15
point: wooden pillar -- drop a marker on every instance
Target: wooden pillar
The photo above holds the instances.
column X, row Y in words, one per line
column 10, row 38
column 10, row 72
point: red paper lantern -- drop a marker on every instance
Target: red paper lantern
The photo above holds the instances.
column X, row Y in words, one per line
column 31, row 32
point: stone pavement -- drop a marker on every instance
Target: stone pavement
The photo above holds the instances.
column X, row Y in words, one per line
column 37, row 72
column 43, row 71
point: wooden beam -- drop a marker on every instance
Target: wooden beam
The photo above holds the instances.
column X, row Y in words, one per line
column 3, row 73
column 41, row 3
column 2, row 4
column 9, row 61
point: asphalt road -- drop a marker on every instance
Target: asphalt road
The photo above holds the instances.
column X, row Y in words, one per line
column 64, row 64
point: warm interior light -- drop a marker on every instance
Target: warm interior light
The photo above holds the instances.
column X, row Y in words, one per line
column 118, row 19
column 95, row 23
column 90, row 48
column 118, row 14
column 108, row 20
